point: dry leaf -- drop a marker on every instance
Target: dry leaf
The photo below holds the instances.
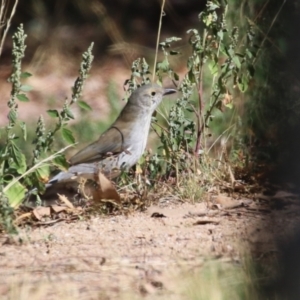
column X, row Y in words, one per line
column 66, row 201
column 232, row 179
column 57, row 209
column 138, row 169
column 23, row 216
column 106, row 189
column 225, row 201
column 41, row 211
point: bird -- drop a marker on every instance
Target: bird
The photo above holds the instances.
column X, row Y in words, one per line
column 122, row 144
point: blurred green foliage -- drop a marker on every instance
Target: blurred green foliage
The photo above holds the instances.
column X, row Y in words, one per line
column 272, row 114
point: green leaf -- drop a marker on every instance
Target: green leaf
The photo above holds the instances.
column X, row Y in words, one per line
column 229, row 105
column 236, row 61
column 25, row 74
column 192, row 77
column 15, row 194
column 67, row 135
column 213, row 67
column 43, row 174
column 220, row 34
column 22, row 97
column 230, row 51
column 248, row 53
column 159, row 80
column 26, row 88
column 84, row 105
column 163, row 66
column 12, row 116
column 61, row 163
column 136, row 74
column 19, row 159
column 38, row 178
column 69, row 113
column 242, row 84
column 211, row 6
column 24, row 129
column 223, row 49
column 53, row 113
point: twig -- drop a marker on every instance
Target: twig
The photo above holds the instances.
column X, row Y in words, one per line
column 158, row 37
column 7, row 24
column 271, row 26
column 200, row 94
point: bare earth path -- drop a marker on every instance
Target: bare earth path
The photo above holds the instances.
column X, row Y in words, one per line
column 141, row 255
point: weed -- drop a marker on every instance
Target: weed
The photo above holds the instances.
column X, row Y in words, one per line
column 216, row 50
column 219, row 52
column 19, row 174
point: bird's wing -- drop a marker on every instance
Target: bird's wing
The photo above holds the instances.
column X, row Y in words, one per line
column 110, row 143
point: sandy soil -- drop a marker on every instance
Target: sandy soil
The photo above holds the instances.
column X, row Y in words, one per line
column 142, row 254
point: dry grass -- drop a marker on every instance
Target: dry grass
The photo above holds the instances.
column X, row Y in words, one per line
column 222, row 281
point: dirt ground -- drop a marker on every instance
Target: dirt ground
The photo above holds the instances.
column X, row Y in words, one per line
column 145, row 254
column 142, row 254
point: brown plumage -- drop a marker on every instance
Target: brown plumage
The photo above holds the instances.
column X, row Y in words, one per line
column 121, row 146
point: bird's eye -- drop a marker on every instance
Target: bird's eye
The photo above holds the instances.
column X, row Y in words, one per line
column 153, row 93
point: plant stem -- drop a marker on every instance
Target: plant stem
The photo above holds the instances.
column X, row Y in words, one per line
column 200, row 99
column 36, row 166
column 8, row 22
column 158, row 36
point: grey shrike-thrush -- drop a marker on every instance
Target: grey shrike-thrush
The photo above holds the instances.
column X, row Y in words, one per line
column 120, row 146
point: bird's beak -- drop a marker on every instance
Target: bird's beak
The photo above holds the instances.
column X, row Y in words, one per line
column 169, row 92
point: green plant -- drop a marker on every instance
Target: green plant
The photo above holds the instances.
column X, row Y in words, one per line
column 19, row 174
column 220, row 53
column 217, row 52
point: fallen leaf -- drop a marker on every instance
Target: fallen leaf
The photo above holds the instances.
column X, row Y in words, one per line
column 232, row 179
column 66, row 201
column 138, row 169
column 41, row 211
column 225, row 201
column 105, row 190
column 23, row 216
column 57, row 209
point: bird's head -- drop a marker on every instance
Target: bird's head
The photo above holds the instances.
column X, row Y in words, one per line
column 149, row 96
